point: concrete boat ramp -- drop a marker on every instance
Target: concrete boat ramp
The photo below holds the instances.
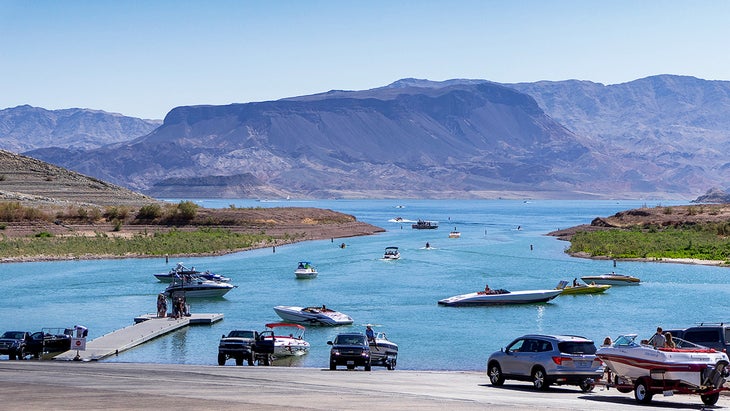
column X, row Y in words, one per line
column 146, row 327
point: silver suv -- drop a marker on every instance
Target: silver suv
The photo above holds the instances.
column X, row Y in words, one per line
column 546, row 360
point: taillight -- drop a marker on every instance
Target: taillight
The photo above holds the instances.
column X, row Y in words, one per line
column 559, row 360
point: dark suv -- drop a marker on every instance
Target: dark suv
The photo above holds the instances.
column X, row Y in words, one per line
column 14, row 344
column 351, row 350
column 545, row 360
column 710, row 335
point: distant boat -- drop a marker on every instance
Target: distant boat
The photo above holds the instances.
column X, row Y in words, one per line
column 180, row 270
column 581, row 288
column 391, row 253
column 305, row 270
column 454, row 234
column 425, row 225
column 312, row 315
column 611, row 279
column 497, row 297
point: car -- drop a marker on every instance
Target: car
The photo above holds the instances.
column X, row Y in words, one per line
column 545, row 360
column 351, row 350
column 238, row 344
column 14, row 343
column 710, row 335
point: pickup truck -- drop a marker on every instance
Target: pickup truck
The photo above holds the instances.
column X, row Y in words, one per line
column 238, row 344
column 710, row 335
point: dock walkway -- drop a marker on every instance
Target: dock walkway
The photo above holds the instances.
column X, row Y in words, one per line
column 146, row 327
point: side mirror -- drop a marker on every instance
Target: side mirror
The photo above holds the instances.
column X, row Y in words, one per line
column 329, row 342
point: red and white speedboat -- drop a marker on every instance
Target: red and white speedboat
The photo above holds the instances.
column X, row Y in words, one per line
column 288, row 339
column 687, row 369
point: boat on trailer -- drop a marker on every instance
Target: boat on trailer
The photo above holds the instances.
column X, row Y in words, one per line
column 686, row 368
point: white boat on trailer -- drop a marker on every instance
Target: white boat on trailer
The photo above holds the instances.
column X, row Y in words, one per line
column 646, row 370
column 288, row 339
column 496, row 297
column 312, row 315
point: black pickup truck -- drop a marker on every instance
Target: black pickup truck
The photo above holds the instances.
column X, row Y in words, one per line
column 14, row 344
column 246, row 345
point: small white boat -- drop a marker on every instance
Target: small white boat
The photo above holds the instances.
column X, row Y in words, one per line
column 196, row 287
column 646, row 370
column 288, row 339
column 305, row 269
column 180, row 270
column 454, row 234
column 312, row 315
column 494, row 297
column 611, row 279
column 383, row 352
column 391, row 253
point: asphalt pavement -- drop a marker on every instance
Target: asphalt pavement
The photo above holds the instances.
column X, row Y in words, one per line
column 46, row 385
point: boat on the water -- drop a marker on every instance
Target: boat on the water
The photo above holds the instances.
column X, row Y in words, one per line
column 454, row 234
column 197, row 287
column 578, row 288
column 425, row 225
column 391, row 253
column 646, row 370
column 305, row 269
column 180, row 271
column 288, row 339
column 611, row 279
column 495, row 297
column 312, row 315
column 383, row 352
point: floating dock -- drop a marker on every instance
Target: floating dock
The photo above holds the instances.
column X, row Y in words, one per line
column 146, row 327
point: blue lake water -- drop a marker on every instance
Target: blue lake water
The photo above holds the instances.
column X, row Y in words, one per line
column 399, row 297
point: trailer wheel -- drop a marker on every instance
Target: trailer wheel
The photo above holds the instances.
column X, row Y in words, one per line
column 586, row 385
column 710, row 399
column 641, row 391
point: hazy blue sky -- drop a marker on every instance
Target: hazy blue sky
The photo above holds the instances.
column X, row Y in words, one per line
column 142, row 58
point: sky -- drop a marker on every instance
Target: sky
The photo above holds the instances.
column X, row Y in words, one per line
column 143, row 58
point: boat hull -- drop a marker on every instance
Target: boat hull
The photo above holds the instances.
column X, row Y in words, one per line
column 585, row 289
column 199, row 292
column 305, row 273
column 515, row 297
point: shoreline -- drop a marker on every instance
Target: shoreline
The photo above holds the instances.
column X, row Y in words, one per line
column 688, row 261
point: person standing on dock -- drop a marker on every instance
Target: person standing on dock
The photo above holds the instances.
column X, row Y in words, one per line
column 161, row 306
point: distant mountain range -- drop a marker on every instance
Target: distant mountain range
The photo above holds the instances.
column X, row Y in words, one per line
column 658, row 137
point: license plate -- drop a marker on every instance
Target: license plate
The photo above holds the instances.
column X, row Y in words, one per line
column 351, row 363
column 581, row 363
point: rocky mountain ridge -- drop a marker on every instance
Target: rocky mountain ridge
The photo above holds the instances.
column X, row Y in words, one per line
column 659, row 137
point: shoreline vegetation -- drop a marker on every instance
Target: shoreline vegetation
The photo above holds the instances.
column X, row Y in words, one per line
column 29, row 233
column 693, row 234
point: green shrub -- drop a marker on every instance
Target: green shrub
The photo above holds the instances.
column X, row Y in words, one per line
column 149, row 212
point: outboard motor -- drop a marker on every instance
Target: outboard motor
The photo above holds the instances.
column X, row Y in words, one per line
column 714, row 377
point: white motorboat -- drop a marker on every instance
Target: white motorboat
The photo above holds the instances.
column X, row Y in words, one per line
column 647, row 370
column 197, row 287
column 180, row 271
column 312, row 315
column 611, row 279
column 305, row 270
column 288, row 339
column 391, row 253
column 383, row 352
column 454, row 234
column 501, row 297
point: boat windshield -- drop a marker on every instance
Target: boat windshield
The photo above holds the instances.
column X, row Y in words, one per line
column 626, row 341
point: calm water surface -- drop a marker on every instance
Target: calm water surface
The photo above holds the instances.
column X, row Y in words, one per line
column 398, row 296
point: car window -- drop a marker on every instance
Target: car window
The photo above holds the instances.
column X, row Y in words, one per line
column 727, row 335
column 242, row 334
column 577, row 347
column 544, row 346
column 703, row 336
column 516, row 346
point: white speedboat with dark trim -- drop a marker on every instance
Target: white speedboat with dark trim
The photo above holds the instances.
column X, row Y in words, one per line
column 180, row 271
column 611, row 279
column 197, row 287
column 685, row 369
column 391, row 253
column 312, row 315
column 288, row 339
column 305, row 270
column 496, row 297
